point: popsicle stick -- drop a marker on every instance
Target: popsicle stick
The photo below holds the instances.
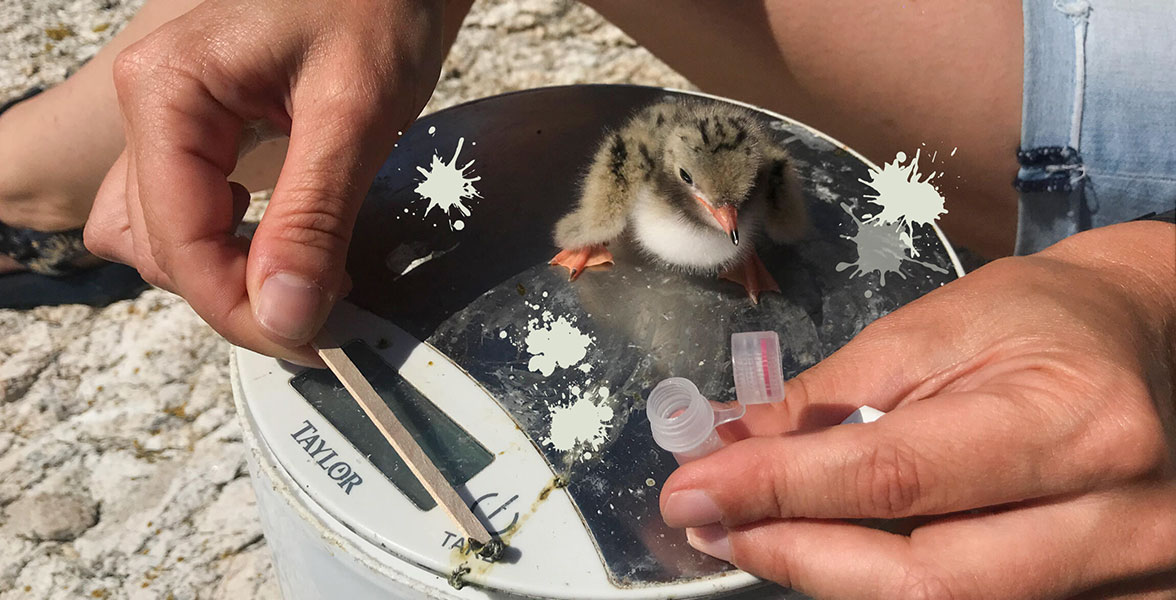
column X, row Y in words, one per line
column 402, row 441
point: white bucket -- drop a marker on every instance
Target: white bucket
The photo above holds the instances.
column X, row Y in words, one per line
column 343, row 522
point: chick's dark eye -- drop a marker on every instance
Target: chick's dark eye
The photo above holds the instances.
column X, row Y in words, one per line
column 685, row 176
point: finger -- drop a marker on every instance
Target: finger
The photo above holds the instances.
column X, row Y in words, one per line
column 906, row 355
column 1043, row 551
column 182, row 155
column 922, row 459
column 107, row 233
column 143, row 257
column 297, row 260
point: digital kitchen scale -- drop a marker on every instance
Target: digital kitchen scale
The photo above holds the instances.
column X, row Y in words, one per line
column 528, row 390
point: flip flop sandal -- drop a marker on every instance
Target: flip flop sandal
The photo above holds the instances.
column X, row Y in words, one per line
column 60, row 269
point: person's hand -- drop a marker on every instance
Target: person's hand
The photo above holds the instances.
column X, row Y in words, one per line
column 1031, row 415
column 341, row 77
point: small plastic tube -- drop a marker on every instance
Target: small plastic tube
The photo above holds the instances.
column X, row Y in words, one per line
column 682, row 420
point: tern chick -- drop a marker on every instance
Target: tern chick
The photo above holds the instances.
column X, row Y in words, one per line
column 696, row 184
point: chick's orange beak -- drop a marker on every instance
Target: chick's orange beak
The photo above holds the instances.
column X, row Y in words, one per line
column 727, row 218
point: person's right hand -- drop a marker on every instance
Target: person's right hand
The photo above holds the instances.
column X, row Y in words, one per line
column 341, row 77
column 1029, row 445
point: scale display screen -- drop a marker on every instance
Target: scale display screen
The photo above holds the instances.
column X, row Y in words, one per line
column 457, row 455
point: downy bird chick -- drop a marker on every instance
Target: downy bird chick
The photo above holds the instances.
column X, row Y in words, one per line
column 696, row 184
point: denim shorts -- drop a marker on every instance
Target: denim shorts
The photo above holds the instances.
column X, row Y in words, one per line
column 1098, row 134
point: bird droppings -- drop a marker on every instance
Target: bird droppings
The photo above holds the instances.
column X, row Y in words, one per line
column 886, row 239
column 554, row 342
column 447, row 186
column 906, row 197
column 881, row 249
column 583, row 424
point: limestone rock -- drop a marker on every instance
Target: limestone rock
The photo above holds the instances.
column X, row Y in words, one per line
column 52, row 517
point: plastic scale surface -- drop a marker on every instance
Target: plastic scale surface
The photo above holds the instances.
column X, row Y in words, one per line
column 485, row 350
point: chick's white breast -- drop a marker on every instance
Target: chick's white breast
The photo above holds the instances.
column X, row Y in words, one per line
column 676, row 239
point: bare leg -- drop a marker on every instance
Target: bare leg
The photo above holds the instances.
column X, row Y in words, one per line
column 882, row 77
column 56, row 147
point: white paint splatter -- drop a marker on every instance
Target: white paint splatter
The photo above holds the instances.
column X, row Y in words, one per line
column 458, row 225
column 502, row 335
column 905, row 196
column 446, row 186
column 583, row 424
column 432, row 130
column 554, row 343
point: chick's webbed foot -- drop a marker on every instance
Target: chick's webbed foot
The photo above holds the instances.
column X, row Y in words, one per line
column 753, row 276
column 578, row 259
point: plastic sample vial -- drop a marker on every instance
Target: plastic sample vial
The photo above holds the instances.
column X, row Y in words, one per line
column 684, row 422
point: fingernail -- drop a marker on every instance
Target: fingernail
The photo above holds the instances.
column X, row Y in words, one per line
column 289, row 306
column 710, row 539
column 691, row 508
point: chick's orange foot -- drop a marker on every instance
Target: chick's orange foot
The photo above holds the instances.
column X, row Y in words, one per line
column 581, row 258
column 753, row 276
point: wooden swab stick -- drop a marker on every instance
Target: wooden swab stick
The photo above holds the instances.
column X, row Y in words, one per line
column 402, row 441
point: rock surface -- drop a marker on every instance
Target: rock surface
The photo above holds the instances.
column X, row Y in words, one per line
column 52, row 517
column 117, row 431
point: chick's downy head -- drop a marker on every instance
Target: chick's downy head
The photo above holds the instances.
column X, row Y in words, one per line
column 715, row 156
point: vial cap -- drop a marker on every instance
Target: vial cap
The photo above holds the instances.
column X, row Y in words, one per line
column 755, row 356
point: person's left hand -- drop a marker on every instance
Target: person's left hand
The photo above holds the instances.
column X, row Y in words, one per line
column 1030, row 416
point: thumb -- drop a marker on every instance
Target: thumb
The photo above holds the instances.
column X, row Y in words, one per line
column 298, row 256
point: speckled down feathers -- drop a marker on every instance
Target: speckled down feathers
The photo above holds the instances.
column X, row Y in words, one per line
column 645, row 177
